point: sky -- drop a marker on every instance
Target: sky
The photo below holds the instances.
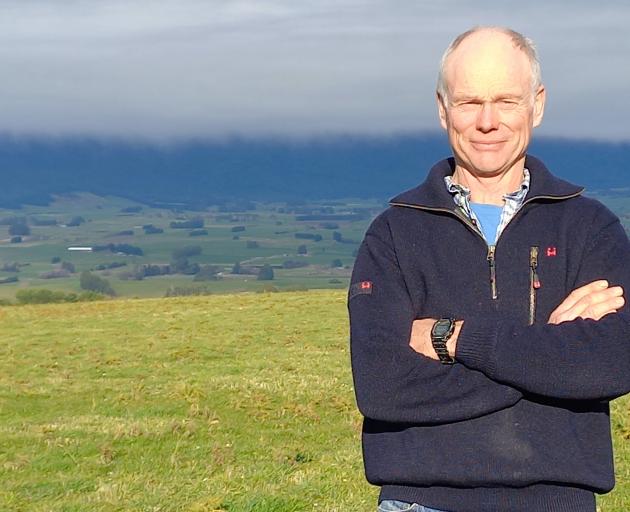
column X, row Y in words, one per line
column 152, row 69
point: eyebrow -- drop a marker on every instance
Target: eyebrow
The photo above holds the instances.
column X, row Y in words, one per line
column 506, row 96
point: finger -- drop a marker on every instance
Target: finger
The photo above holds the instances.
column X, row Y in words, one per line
column 580, row 293
column 592, row 306
column 593, row 311
column 591, row 299
column 598, row 300
column 597, row 311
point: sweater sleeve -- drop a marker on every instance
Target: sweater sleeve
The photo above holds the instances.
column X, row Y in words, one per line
column 394, row 383
column 580, row 359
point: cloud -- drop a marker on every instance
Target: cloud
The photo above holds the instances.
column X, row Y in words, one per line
column 210, row 68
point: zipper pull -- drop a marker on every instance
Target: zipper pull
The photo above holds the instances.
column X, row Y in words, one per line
column 493, row 271
column 533, row 263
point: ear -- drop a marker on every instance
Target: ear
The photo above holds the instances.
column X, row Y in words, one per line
column 441, row 110
column 539, row 105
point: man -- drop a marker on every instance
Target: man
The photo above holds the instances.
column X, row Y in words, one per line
column 488, row 325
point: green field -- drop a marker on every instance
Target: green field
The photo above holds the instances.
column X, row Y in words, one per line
column 218, row 403
column 273, row 228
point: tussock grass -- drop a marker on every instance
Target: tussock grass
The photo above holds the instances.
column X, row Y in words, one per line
column 215, row 403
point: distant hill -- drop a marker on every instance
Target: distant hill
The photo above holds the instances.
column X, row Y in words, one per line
column 206, row 172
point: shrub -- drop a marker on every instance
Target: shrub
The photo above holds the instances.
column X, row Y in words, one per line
column 54, row 274
column 194, row 223
column 19, row 229
column 45, row 296
column 208, row 273
column 150, row 229
column 69, row 266
column 75, row 221
column 182, row 291
column 266, row 273
column 295, row 264
column 309, row 236
column 94, row 283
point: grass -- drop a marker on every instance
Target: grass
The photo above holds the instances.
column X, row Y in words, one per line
column 218, row 403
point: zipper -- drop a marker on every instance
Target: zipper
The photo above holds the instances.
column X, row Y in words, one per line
column 534, row 282
column 493, row 271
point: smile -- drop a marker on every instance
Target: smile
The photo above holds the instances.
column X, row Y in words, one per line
column 487, row 146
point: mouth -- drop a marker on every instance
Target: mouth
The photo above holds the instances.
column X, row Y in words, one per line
column 487, row 145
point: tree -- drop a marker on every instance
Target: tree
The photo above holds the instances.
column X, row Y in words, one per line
column 69, row 266
column 302, row 249
column 236, row 269
column 336, row 263
column 94, row 283
column 266, row 273
column 208, row 273
column 194, row 223
column 19, row 229
column 75, row 221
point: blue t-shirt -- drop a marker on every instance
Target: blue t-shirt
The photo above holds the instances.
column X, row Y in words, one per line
column 489, row 216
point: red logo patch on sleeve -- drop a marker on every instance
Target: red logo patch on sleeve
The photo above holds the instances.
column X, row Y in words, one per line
column 360, row 288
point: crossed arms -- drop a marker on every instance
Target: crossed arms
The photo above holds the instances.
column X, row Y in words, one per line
column 581, row 353
column 592, row 301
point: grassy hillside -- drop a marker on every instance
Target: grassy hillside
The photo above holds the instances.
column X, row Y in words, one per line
column 218, row 403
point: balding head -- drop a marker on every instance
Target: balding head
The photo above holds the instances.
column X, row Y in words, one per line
column 491, row 34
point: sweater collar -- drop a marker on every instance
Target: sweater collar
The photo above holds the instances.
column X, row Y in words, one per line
column 433, row 194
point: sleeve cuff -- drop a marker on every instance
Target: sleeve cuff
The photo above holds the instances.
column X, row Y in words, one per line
column 476, row 345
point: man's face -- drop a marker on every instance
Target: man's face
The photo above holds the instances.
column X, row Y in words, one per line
column 491, row 109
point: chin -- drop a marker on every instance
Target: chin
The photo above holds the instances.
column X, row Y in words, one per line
column 489, row 167
column 492, row 163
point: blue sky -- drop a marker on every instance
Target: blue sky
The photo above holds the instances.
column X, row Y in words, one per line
column 178, row 69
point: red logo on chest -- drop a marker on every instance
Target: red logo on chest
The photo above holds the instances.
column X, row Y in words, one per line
column 552, row 251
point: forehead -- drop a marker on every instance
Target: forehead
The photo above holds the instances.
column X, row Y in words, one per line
column 488, row 63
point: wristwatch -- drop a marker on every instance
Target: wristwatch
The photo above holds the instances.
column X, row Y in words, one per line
column 440, row 333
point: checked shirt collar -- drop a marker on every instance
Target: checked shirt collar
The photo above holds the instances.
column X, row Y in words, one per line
column 513, row 201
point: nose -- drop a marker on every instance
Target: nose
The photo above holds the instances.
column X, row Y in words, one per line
column 488, row 118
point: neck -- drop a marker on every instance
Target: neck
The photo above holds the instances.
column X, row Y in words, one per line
column 489, row 189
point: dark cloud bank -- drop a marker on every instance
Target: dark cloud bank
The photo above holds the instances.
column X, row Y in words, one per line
column 202, row 173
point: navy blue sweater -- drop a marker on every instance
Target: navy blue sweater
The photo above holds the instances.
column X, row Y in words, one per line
column 521, row 421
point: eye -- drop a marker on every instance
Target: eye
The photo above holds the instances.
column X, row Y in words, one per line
column 468, row 105
column 507, row 104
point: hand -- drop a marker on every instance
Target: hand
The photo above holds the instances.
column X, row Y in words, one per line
column 591, row 301
column 420, row 339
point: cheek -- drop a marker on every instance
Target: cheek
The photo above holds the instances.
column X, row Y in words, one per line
column 462, row 124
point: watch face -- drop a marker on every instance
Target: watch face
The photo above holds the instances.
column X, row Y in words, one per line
column 441, row 328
